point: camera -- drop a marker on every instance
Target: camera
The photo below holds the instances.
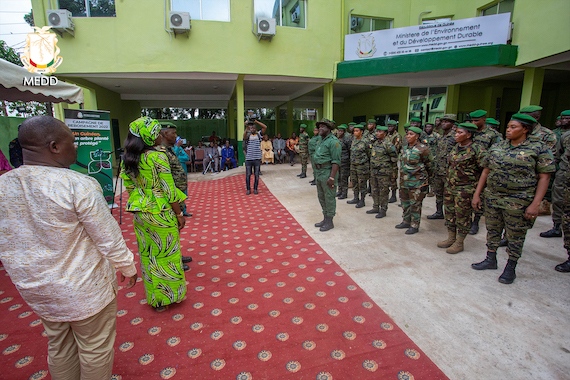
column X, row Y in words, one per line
column 251, row 119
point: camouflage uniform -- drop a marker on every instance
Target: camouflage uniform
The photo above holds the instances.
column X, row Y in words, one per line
column 383, row 154
column 416, row 168
column 511, row 187
column 444, row 145
column 304, row 150
column 359, row 165
column 487, row 137
column 464, row 171
column 312, row 146
column 432, row 145
column 345, row 144
column 566, row 211
column 558, row 187
column 548, row 137
column 396, row 139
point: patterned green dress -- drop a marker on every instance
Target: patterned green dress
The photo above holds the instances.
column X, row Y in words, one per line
column 156, row 227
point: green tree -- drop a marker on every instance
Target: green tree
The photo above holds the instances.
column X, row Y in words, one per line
column 9, row 54
column 29, row 18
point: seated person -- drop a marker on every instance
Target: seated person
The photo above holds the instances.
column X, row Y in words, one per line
column 212, row 156
column 228, row 155
column 279, row 146
column 291, row 145
column 266, row 150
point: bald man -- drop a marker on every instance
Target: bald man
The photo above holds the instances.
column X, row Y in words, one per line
column 63, row 259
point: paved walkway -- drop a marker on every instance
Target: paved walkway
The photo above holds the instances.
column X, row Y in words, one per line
column 468, row 323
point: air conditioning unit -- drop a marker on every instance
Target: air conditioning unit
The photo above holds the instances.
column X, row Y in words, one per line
column 179, row 22
column 60, row 21
column 266, row 27
column 355, row 22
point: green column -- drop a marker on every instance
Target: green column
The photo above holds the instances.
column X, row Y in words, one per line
column 240, row 118
column 277, row 121
column 328, row 101
column 452, row 105
column 532, row 86
column 231, row 132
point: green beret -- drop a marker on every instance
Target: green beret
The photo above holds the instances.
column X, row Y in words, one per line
column 416, row 119
column 468, row 126
column 392, row 122
column 559, row 117
column 524, row 118
column 363, row 123
column 381, row 128
column 477, row 114
column 565, row 113
column 303, row 126
column 492, row 121
column 529, row 109
column 360, row 126
column 415, row 129
column 352, row 123
column 372, row 121
column 167, row 125
column 342, row 126
column 406, row 125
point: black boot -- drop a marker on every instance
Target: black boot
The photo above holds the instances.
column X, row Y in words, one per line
column 303, row 175
column 381, row 214
column 355, row 200
column 475, row 225
column 393, row 197
column 338, row 193
column 490, row 262
column 186, row 259
column 554, row 232
column 439, row 213
column 564, row 267
column 361, row 203
column 322, row 222
column 411, row 231
column 298, row 175
column 509, row 274
column 403, row 225
column 373, row 211
column 342, row 196
column 328, row 224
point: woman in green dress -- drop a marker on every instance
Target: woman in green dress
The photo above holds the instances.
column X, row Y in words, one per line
column 154, row 200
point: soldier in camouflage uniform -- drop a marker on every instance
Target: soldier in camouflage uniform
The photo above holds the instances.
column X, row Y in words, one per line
column 370, row 131
column 565, row 266
column 312, row 147
column 303, row 150
column 516, row 175
column 444, row 144
column 492, row 123
column 486, row 137
column 431, row 139
column 415, row 169
column 359, row 166
column 464, row 162
column 396, row 139
column 345, row 143
column 383, row 154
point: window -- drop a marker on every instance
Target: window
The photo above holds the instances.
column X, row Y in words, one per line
column 427, row 103
column 211, row 10
column 89, row 8
column 503, row 6
column 291, row 13
column 368, row 24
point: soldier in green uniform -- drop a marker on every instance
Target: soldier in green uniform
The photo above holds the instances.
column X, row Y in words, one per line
column 370, row 130
column 312, row 147
column 431, row 137
column 396, row 139
column 464, row 170
column 444, row 144
column 383, row 154
column 565, row 151
column 417, row 122
column 492, row 123
column 516, row 175
column 303, row 150
column 415, row 169
column 345, row 143
column 486, row 137
column 327, row 161
column 359, row 165
column 350, row 128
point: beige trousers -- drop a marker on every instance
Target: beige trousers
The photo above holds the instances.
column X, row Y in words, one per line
column 83, row 349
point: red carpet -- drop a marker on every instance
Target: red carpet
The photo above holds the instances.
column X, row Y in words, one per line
column 264, row 302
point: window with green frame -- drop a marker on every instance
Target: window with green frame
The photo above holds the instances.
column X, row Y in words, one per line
column 503, row 6
column 89, row 8
column 369, row 24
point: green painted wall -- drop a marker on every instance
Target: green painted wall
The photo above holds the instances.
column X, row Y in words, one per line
column 8, row 132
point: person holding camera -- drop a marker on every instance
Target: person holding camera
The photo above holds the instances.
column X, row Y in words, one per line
column 252, row 147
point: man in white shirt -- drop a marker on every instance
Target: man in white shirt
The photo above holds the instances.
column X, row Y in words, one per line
column 61, row 247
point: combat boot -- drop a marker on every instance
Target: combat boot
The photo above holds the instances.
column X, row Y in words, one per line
column 328, row 224
column 451, row 237
column 439, row 213
column 475, row 226
column 411, row 231
column 375, row 210
column 338, row 193
column 342, row 196
column 509, row 274
column 490, row 262
column 355, row 200
column 303, row 175
column 361, row 203
column 403, row 225
column 564, row 267
column 457, row 245
column 393, row 197
column 381, row 214
column 322, row 222
column 554, row 232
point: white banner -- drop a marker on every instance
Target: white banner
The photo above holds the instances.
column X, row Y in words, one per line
column 448, row 35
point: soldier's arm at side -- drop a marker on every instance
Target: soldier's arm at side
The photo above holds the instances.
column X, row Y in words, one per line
column 476, row 202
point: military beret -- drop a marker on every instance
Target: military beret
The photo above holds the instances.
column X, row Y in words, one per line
column 363, row 123
column 352, row 123
column 406, row 125
column 303, row 126
column 449, row 116
column 468, row 126
column 559, row 117
column 492, row 121
column 342, row 126
column 565, row 113
column 371, row 121
column 360, row 126
column 524, row 118
column 326, row 122
column 167, row 125
column 530, row 109
column 392, row 122
column 415, row 129
column 416, row 119
column 478, row 113
column 381, row 128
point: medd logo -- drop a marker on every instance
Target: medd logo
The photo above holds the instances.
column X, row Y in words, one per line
column 40, row 81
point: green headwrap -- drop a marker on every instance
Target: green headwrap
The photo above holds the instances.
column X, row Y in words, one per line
column 146, row 128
